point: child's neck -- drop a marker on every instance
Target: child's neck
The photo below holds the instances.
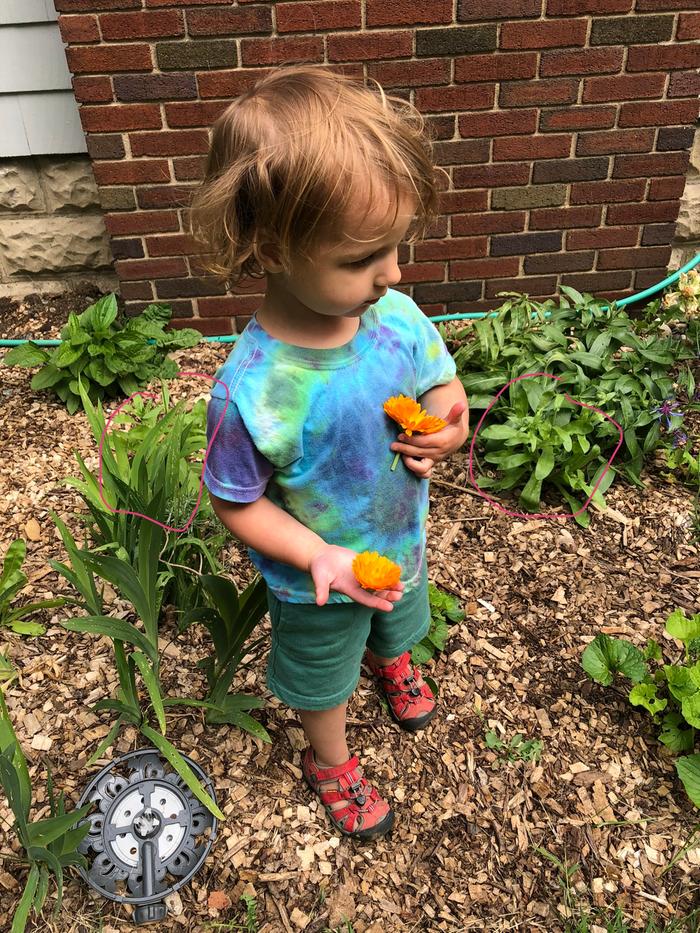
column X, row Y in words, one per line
column 291, row 322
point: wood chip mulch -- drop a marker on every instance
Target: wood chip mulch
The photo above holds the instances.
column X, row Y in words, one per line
column 473, row 830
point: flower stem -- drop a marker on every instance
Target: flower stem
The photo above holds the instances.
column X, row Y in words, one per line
column 396, row 460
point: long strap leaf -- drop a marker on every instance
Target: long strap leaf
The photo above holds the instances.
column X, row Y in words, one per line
column 21, row 916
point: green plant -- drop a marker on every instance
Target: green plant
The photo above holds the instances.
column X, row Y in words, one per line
column 51, row 844
column 518, row 748
column 669, row 692
column 535, row 436
column 444, row 608
column 112, row 357
column 12, row 580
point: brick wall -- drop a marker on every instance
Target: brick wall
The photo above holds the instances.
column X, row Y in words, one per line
column 565, row 126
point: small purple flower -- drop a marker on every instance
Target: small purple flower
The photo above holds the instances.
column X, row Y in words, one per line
column 665, row 412
column 679, row 438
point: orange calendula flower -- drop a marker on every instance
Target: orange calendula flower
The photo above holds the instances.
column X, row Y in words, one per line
column 412, row 418
column 374, row 572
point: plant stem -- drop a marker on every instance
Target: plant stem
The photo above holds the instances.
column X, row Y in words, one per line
column 396, row 460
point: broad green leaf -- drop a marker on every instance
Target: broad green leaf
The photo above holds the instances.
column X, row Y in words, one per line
column 690, row 707
column 688, row 769
column 674, row 735
column 114, row 628
column 680, row 683
column 645, row 695
column 499, row 432
column 183, row 769
column 605, row 656
column 27, row 354
column 532, row 490
column 421, row 653
column 682, row 628
column 545, row 464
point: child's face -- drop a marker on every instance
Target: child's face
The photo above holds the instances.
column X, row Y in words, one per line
column 344, row 277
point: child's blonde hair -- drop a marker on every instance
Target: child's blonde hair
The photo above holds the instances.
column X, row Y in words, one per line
column 289, row 157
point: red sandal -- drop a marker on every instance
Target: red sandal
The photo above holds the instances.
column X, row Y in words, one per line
column 411, row 701
column 365, row 815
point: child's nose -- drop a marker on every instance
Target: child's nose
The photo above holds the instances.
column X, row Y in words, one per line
column 389, row 273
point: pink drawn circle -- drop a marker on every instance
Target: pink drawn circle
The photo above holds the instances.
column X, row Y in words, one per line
column 151, row 395
column 530, row 515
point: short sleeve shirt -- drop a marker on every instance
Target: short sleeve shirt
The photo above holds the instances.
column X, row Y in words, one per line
column 307, row 429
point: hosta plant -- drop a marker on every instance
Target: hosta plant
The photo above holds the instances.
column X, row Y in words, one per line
column 669, row 692
column 114, row 357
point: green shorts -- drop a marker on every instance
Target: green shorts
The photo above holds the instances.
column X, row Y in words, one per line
column 316, row 651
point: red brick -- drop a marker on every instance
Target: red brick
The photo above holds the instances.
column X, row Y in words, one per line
column 615, row 141
column 578, row 7
column 602, row 238
column 229, row 22
column 189, row 287
column 688, row 26
column 462, row 248
column 522, row 244
column 89, row 59
column 654, row 6
column 663, row 57
column 561, row 218
column 155, row 87
column 513, row 148
column 197, row 113
column 92, row 6
column 423, row 272
column 93, row 90
column 120, row 117
column 400, row 13
column 368, row 45
column 557, row 170
column 463, row 97
column 178, row 142
column 648, row 212
column 142, row 222
column 440, row 127
column 319, row 16
column 165, row 196
column 640, row 257
column 176, row 244
column 649, row 166
column 646, row 277
column 491, row 176
column 495, row 67
column 136, row 269
column 105, row 146
column 623, row 87
column 663, row 189
column 534, row 286
column 491, row 268
column 228, row 83
column 501, row 222
column 142, row 25
column 559, row 262
column 603, row 192
column 663, row 113
column 410, row 73
column 461, row 152
column 497, row 124
column 532, row 93
column 132, row 172
column 190, row 168
column 684, row 84
column 234, row 305
column 578, row 118
column 76, row 29
column 274, row 51
column 583, row 62
column 469, row 11
column 210, row 327
column 600, row 282
column 453, row 201
column 187, row 3
column 544, row 35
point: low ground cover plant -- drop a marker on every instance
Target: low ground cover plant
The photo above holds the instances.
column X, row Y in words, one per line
column 12, row 581
column 444, row 611
column 669, row 692
column 115, row 356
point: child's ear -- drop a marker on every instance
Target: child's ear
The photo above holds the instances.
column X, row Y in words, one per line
column 268, row 256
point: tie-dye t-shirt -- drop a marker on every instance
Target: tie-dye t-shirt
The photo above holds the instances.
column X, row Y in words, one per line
column 307, row 429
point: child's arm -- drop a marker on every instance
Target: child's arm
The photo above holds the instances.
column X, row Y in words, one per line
column 422, row 451
column 275, row 533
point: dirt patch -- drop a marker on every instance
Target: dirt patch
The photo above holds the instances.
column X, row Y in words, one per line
column 43, row 316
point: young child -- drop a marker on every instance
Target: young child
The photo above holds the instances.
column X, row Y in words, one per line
column 314, row 180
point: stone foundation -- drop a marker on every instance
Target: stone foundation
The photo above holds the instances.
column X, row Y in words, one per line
column 686, row 242
column 52, row 231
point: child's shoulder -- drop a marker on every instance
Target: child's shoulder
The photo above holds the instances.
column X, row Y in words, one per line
column 401, row 313
column 246, row 351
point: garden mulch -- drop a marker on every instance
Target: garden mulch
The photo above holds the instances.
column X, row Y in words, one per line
column 473, row 831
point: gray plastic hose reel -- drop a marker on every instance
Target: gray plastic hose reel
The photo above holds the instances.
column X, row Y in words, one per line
column 148, row 834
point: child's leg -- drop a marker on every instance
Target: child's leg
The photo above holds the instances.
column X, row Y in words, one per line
column 325, row 730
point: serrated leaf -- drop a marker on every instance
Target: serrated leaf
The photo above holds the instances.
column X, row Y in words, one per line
column 674, row 736
column 605, row 656
column 688, row 769
column 645, row 695
column 682, row 628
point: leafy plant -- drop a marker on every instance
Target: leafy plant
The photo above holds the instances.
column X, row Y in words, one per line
column 12, row 580
column 444, row 609
column 51, row 844
column 113, row 357
column 518, row 748
column 534, row 436
column 670, row 693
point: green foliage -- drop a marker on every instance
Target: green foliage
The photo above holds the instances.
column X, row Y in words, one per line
column 444, row 609
column 517, row 749
column 535, row 437
column 50, row 845
column 670, row 692
column 12, row 580
column 112, row 358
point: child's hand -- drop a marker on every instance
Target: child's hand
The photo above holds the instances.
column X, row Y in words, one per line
column 331, row 569
column 422, row 451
